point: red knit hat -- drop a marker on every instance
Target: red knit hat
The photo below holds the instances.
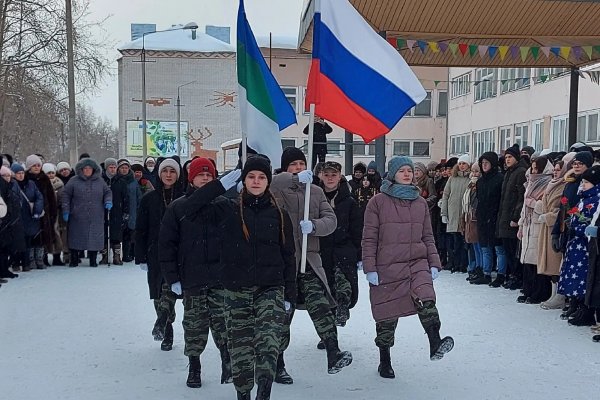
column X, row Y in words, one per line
column 200, row 165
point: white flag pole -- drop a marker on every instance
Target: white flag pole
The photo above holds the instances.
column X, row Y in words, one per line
column 311, row 130
column 244, row 148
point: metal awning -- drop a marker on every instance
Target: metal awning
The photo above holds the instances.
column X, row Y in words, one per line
column 550, row 33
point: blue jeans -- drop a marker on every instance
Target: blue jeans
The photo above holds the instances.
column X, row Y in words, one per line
column 475, row 256
column 488, row 258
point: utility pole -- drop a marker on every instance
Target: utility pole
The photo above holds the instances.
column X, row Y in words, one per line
column 71, row 84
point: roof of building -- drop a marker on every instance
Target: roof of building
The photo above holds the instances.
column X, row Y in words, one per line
column 179, row 40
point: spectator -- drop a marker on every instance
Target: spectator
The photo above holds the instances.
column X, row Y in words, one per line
column 134, row 196
column 138, row 174
column 321, row 130
column 58, row 185
column 358, row 173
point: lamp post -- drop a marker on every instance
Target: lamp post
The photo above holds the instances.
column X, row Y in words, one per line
column 179, row 117
column 189, row 25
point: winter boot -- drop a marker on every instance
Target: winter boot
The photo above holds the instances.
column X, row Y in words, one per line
column 473, row 275
column 117, row 255
column 28, row 260
column 93, row 255
column 194, row 379
column 56, row 262
column 498, row 281
column 74, row 262
column 437, row 346
column 321, row 345
column 573, row 307
column 104, row 259
column 342, row 314
column 556, row 301
column 522, row 299
column 38, row 253
column 226, row 376
column 336, row 359
column 157, row 333
column 167, row 343
column 66, row 258
column 281, row 375
column 482, row 280
column 45, row 260
column 264, row 389
column 385, row 363
column 243, row 395
column 596, row 338
column 583, row 317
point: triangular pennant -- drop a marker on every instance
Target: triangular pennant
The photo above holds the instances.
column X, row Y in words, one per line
column 597, row 48
column 472, row 49
column 555, row 51
column 436, row 83
column 463, row 48
column 503, row 51
column 400, row 43
column 514, row 52
column 434, row 47
column 546, row 51
column 422, row 45
column 453, row 48
column 535, row 52
column 410, row 44
column 391, row 41
column 443, row 46
column 524, row 52
column 493, row 50
column 588, row 50
column 565, row 51
column 543, row 78
column 482, row 50
column 594, row 76
column 577, row 52
column 503, row 81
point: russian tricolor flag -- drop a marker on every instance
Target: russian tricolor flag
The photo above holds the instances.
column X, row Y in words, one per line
column 357, row 80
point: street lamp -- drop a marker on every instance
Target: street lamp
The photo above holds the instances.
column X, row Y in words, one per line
column 189, row 25
column 179, row 118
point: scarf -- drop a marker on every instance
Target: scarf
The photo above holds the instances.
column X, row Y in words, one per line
column 534, row 190
column 399, row 191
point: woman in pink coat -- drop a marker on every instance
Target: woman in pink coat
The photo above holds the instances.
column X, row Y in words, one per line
column 401, row 261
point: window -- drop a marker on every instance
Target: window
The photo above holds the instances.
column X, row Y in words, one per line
column 412, row 148
column 537, row 134
column 486, row 85
column 587, row 126
column 288, row 143
column 461, row 85
column 505, row 138
column 483, row 141
column 514, row 79
column 334, row 147
column 291, row 93
column 460, row 144
column 362, row 149
column 442, row 109
column 522, row 134
column 423, row 109
column 546, row 74
column 560, row 128
column 581, row 127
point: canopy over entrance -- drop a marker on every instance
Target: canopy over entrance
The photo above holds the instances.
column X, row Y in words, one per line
column 482, row 33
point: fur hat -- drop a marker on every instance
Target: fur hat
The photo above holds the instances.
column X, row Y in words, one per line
column 258, row 163
column 514, row 151
column 49, row 167
column 585, row 157
column 289, row 155
column 62, row 165
column 396, row 163
column 199, row 165
column 169, row 162
column 592, row 175
column 32, row 160
column 137, row 167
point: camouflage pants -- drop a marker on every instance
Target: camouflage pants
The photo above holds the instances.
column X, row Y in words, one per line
column 428, row 315
column 199, row 314
column 343, row 290
column 312, row 290
column 165, row 305
column 254, row 317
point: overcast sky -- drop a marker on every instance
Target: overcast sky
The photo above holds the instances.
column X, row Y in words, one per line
column 281, row 17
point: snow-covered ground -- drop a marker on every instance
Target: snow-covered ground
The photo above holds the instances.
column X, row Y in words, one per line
column 84, row 333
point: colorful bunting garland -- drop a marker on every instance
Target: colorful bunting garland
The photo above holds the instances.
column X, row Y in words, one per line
column 593, row 75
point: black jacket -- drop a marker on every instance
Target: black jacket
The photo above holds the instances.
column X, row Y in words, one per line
column 320, row 132
column 511, row 200
column 592, row 293
column 267, row 258
column 489, row 191
column 342, row 248
column 120, row 209
column 147, row 228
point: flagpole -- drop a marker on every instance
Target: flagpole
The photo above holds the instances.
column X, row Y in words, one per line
column 244, row 148
column 311, row 129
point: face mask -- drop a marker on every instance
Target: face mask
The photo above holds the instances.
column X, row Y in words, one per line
column 150, row 169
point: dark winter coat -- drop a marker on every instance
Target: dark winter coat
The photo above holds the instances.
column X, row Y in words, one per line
column 561, row 226
column 489, row 191
column 65, row 179
column 119, row 213
column 149, row 216
column 48, row 220
column 398, row 244
column 320, row 132
column 592, row 292
column 511, row 200
column 375, row 180
column 83, row 199
column 134, row 196
column 28, row 192
column 342, row 248
column 11, row 225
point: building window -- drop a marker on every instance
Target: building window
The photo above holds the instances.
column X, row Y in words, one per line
column 288, row 143
column 560, row 128
column 537, row 134
column 546, row 74
column 505, row 138
column 334, row 147
column 522, row 134
column 486, row 85
column 291, row 93
column 461, row 85
column 514, row 79
column 423, row 109
column 362, row 149
column 587, row 127
column 442, row 109
column 413, row 148
column 460, row 144
column 483, row 141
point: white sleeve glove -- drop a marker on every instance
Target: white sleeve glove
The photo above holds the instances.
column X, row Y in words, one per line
column 305, row 176
column 439, row 204
column 373, row 278
column 306, row 227
column 228, row 181
column 240, row 186
column 444, row 219
column 176, row 288
column 359, row 266
column 287, row 305
column 143, row 267
column 434, row 273
column 542, row 218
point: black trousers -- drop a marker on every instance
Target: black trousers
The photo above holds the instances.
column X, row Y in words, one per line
column 319, row 152
column 514, row 266
column 538, row 287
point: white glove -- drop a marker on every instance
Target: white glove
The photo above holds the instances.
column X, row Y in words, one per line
column 444, row 219
column 287, row 305
column 240, row 186
column 542, row 218
column 305, row 176
column 306, row 227
column 439, row 204
column 373, row 278
column 359, row 266
column 176, row 288
column 434, row 273
column 143, row 267
column 228, row 181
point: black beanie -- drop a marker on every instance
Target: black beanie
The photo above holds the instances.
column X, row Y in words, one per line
column 592, row 175
column 585, row 157
column 451, row 162
column 260, row 163
column 289, row 155
column 514, row 151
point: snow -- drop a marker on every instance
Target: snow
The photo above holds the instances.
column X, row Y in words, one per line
column 84, row 333
column 278, row 42
column 180, row 40
column 229, row 143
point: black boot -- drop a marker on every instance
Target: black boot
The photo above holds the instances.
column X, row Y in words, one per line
column 281, row 375
column 482, row 280
column 74, row 261
column 573, row 307
column 476, row 273
column 342, row 314
column 596, row 338
column 243, row 396
column 93, row 258
column 264, row 389
column 583, row 317
column 194, row 380
column 498, row 281
column 45, row 260
column 158, row 332
column 56, row 260
column 437, row 346
column 336, row 359
column 167, row 343
column 226, row 376
column 321, row 345
column 385, row 363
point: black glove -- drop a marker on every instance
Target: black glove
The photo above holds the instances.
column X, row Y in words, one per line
column 126, row 217
column 556, row 243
